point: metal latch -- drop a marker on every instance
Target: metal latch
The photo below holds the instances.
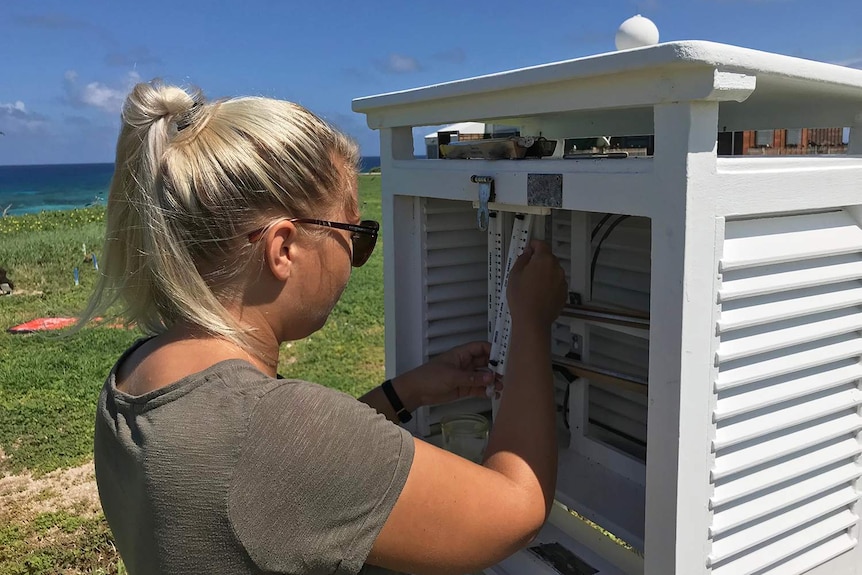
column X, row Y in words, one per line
column 486, row 194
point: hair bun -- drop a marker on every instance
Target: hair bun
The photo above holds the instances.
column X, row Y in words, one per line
column 150, row 102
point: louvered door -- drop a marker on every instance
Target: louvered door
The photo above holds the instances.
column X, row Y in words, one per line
column 455, row 255
column 787, row 413
column 621, row 279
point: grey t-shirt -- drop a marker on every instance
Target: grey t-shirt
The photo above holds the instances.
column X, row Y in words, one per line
column 230, row 471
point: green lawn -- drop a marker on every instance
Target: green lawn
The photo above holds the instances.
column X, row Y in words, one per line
column 49, row 383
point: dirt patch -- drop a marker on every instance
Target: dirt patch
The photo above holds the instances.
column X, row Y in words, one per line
column 18, row 292
column 23, row 497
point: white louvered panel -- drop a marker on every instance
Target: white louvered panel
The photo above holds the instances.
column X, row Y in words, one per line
column 789, row 361
column 618, row 351
column 765, row 241
column 628, row 414
column 561, row 246
column 619, row 417
column 780, row 418
column 786, row 388
column 455, row 289
column 621, row 280
column 782, row 523
column 771, row 308
column 561, row 239
column 454, row 278
column 561, row 338
column 798, row 331
column 811, row 558
column 455, row 325
column 464, row 307
column 622, row 273
column 777, row 499
column 789, row 276
column 787, row 414
column 757, row 454
column 804, row 463
column 784, row 547
column 453, row 256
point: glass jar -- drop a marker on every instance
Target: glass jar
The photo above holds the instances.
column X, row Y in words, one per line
column 465, row 434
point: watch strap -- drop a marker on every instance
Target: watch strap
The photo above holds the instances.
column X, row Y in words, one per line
column 400, row 411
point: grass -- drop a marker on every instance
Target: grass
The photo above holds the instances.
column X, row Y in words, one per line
column 49, row 383
column 55, row 542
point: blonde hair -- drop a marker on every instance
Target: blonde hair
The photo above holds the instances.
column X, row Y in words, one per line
column 192, row 180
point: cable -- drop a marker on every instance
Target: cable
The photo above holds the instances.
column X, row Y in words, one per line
column 599, row 248
column 599, row 226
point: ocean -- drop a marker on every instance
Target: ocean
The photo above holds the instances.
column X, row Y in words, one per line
column 32, row 189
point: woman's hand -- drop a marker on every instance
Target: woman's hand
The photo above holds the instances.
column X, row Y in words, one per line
column 537, row 287
column 458, row 373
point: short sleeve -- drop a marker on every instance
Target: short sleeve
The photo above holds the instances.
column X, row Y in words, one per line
column 316, row 480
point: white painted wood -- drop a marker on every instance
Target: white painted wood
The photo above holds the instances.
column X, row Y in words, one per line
column 682, row 306
column 776, row 240
column 807, row 561
column 751, row 274
column 731, row 490
column 800, row 411
column 798, row 331
column 626, row 182
column 790, row 361
column 788, row 388
column 788, row 166
column 603, row 496
column 402, row 257
column 777, row 525
column 783, row 498
column 770, row 554
column 772, row 309
column 771, row 450
column 760, row 193
column 628, row 89
column 794, row 275
column 855, row 144
column 779, row 75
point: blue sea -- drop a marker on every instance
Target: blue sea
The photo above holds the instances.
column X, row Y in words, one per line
column 32, row 189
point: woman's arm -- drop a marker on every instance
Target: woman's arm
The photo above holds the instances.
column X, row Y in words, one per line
column 456, row 374
column 378, row 400
column 454, row 516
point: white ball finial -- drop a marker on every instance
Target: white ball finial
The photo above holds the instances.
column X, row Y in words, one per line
column 636, row 32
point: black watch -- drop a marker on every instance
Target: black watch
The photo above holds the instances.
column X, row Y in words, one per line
column 400, row 411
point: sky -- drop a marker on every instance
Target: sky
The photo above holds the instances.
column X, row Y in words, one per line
column 67, row 65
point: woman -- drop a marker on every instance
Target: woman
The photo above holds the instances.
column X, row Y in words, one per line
column 232, row 227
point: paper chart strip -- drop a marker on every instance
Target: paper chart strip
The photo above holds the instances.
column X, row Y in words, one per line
column 502, row 324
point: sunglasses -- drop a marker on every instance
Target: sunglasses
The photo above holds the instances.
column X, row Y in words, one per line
column 363, row 236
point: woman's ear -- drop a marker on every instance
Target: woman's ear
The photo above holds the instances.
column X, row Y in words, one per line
column 281, row 249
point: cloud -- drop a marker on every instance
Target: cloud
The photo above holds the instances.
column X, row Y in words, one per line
column 137, row 56
column 15, row 118
column 96, row 94
column 399, row 64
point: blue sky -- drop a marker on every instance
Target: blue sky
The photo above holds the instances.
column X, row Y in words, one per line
column 66, row 65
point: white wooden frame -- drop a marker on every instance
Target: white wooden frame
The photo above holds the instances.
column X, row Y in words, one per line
column 684, row 93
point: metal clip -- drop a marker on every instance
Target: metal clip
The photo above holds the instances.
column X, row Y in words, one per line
column 485, row 195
